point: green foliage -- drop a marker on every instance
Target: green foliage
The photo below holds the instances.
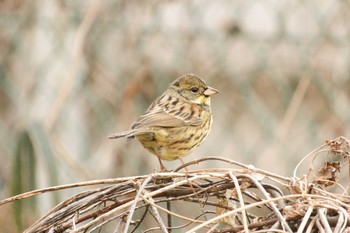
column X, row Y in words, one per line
column 23, row 176
column 46, row 152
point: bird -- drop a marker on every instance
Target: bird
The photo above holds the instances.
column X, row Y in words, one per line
column 177, row 122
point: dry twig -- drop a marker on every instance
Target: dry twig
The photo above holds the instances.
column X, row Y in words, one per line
column 245, row 198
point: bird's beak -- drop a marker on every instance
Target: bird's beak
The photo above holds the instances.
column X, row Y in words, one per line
column 210, row 91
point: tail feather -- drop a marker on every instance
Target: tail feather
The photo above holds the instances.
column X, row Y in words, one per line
column 122, row 134
column 130, row 134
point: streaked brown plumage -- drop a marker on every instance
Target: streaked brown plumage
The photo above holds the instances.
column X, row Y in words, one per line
column 177, row 122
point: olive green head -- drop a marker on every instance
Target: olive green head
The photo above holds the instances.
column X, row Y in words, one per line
column 193, row 89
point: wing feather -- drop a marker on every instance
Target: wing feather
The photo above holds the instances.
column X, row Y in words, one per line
column 160, row 116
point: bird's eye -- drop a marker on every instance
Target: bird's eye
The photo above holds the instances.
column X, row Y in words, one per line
column 194, row 89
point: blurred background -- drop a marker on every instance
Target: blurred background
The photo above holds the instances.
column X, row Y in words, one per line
column 74, row 72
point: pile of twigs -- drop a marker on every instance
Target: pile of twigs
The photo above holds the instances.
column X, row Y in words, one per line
column 234, row 199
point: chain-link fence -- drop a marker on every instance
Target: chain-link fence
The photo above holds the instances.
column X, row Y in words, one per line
column 73, row 72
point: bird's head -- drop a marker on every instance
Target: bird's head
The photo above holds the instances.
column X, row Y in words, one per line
column 193, row 89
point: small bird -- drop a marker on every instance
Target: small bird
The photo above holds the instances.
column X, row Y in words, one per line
column 177, row 122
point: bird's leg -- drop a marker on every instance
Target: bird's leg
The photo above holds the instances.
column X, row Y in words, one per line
column 162, row 168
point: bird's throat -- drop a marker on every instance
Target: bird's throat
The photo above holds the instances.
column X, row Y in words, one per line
column 202, row 100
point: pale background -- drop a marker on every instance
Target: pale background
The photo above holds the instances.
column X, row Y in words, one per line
column 74, row 72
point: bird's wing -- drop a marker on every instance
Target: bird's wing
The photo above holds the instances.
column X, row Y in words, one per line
column 162, row 116
column 163, row 119
column 158, row 115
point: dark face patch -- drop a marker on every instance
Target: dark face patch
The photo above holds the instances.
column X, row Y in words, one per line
column 176, row 83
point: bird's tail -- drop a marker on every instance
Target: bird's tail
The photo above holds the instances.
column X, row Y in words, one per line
column 130, row 134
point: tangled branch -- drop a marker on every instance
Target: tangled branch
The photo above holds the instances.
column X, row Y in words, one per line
column 234, row 199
